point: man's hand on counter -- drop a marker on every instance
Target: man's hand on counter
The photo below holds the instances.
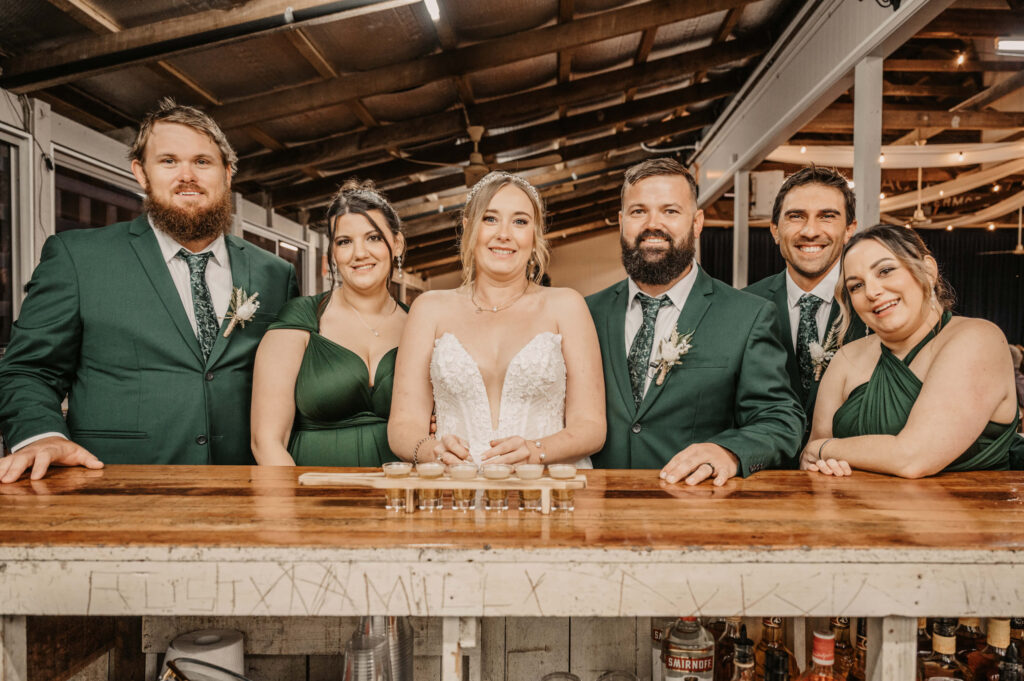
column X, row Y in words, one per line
column 40, row 455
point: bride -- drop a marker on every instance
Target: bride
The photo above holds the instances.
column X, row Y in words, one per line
column 512, row 368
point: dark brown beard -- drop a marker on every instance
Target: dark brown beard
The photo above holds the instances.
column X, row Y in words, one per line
column 186, row 224
column 665, row 267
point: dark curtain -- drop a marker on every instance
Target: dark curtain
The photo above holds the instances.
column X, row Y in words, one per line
column 986, row 286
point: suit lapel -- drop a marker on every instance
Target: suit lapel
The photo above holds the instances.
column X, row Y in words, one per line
column 615, row 325
column 694, row 309
column 240, row 278
column 148, row 251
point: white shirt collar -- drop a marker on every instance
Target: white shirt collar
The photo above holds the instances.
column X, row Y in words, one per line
column 169, row 247
column 826, row 288
column 679, row 292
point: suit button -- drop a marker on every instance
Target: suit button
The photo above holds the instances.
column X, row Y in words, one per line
column 209, row 375
column 636, row 428
column 201, row 440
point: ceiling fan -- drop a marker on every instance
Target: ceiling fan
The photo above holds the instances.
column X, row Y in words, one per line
column 1019, row 248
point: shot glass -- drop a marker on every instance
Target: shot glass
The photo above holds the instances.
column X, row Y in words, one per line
column 562, row 499
column 463, row 499
column 394, row 499
column 529, row 499
column 496, row 499
column 430, row 499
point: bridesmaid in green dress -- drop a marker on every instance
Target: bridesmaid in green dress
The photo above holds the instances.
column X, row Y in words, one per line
column 926, row 392
column 324, row 371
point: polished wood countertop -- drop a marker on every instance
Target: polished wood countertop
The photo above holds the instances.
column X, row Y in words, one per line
column 239, row 506
column 252, row 541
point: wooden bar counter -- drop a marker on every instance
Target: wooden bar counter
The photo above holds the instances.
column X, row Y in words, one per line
column 250, row 541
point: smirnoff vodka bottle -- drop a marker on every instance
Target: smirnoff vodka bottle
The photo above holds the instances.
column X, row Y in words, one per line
column 688, row 652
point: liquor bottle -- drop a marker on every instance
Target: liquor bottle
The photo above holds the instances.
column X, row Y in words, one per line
column 942, row 662
column 860, row 652
column 924, row 639
column 840, row 626
column 688, row 652
column 969, row 637
column 983, row 664
column 715, row 626
column 771, row 638
column 725, row 647
column 1017, row 636
column 743, row 657
column 658, row 627
column 1011, row 668
column 776, row 665
column 822, row 658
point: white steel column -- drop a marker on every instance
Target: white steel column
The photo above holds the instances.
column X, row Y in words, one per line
column 892, row 649
column 740, row 228
column 867, row 139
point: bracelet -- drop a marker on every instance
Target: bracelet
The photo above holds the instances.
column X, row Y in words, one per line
column 822, row 446
column 538, row 445
column 416, row 449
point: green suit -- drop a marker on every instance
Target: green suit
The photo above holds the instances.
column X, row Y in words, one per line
column 730, row 389
column 773, row 288
column 103, row 323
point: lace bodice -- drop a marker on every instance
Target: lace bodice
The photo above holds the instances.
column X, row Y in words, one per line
column 532, row 401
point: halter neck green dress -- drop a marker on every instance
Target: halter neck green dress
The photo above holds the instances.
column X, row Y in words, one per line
column 882, row 406
column 339, row 419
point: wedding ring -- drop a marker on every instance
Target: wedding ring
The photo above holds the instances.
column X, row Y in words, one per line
column 708, row 464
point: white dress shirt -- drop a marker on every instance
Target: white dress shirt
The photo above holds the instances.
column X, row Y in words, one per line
column 668, row 315
column 218, row 280
column 826, row 290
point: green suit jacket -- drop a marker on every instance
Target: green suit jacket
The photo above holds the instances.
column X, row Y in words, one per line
column 773, row 288
column 730, row 389
column 104, row 324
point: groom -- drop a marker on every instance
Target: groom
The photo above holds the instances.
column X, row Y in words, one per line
column 713, row 401
column 129, row 321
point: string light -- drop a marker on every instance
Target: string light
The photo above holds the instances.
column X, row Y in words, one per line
column 942, row 192
column 907, row 225
column 803, row 150
column 960, row 59
column 960, row 156
column 949, row 228
column 991, row 227
column 881, row 195
column 996, row 188
column 881, row 158
column 849, row 183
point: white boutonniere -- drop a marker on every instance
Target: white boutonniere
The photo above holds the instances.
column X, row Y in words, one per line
column 670, row 353
column 822, row 353
column 242, row 309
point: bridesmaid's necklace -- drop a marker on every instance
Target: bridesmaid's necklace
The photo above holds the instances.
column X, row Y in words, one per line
column 353, row 308
column 496, row 308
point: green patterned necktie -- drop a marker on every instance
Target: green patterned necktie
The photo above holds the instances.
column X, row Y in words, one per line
column 807, row 333
column 202, row 304
column 639, row 357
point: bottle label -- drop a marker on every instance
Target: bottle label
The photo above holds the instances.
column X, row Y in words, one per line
column 657, row 634
column 677, row 667
column 944, row 645
column 772, row 621
column 841, row 621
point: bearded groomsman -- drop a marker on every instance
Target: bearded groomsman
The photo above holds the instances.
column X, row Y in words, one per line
column 133, row 322
column 812, row 219
column 694, row 372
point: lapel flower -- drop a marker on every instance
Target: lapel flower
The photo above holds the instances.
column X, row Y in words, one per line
column 670, row 353
column 242, row 309
column 822, row 353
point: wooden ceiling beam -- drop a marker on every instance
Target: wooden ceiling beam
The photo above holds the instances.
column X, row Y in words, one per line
column 452, row 123
column 171, row 37
column 992, row 94
column 895, row 90
column 950, row 65
column 514, row 140
column 732, row 17
column 464, row 60
column 969, row 23
column 839, row 118
column 88, row 15
column 314, row 192
column 301, row 41
column 449, row 41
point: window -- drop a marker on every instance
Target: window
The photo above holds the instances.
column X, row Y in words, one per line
column 283, row 249
column 84, row 202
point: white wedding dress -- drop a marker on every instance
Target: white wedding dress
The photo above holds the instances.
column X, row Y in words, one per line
column 532, row 401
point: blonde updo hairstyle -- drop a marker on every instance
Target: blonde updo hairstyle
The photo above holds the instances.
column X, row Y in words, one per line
column 907, row 247
column 476, row 205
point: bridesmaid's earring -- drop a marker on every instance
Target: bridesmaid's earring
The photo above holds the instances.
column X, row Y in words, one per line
column 398, row 263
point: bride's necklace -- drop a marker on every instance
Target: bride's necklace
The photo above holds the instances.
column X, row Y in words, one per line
column 373, row 330
column 496, row 308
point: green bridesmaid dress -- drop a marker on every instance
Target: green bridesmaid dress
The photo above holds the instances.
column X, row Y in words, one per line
column 882, row 406
column 340, row 420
